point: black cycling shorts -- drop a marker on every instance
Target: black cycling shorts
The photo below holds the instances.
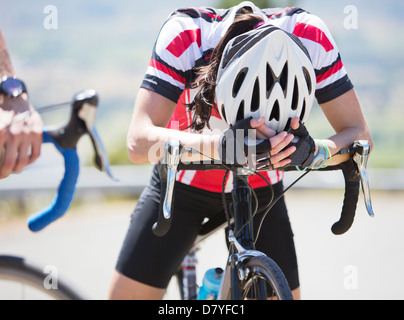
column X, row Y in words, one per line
column 153, row 260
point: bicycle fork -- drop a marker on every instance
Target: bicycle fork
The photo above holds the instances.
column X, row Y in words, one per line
column 242, row 246
column 235, row 271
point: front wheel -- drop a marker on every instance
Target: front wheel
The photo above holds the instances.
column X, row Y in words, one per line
column 262, row 270
column 263, row 279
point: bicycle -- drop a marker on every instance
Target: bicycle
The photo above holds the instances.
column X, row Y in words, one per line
column 64, row 138
column 249, row 273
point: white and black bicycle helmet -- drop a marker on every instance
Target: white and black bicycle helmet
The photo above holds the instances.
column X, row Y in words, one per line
column 265, row 72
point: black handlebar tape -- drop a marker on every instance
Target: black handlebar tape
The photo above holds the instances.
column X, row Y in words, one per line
column 351, row 195
column 352, row 188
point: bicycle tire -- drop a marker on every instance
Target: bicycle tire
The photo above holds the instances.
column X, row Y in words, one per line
column 263, row 267
column 19, row 270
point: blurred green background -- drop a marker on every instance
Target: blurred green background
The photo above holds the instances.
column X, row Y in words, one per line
column 106, row 45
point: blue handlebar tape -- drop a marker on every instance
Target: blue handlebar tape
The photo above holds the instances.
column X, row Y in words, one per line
column 65, row 193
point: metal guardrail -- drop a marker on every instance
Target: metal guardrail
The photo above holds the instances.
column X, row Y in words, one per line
column 134, row 178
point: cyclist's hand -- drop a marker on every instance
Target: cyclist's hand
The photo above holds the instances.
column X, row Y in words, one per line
column 252, row 139
column 20, row 135
column 280, row 150
column 304, row 143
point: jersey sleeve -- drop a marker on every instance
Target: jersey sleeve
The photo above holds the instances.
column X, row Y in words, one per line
column 331, row 75
column 174, row 55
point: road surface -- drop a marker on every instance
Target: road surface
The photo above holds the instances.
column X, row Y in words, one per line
column 365, row 263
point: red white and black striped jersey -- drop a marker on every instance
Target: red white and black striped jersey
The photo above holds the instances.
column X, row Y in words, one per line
column 186, row 42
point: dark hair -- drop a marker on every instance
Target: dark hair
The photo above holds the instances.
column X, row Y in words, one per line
column 204, row 101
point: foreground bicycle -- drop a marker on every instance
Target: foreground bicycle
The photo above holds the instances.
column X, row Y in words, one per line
column 250, row 273
column 65, row 138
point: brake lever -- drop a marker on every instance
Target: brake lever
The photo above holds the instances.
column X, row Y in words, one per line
column 172, row 159
column 360, row 157
column 167, row 171
column 86, row 102
column 101, row 157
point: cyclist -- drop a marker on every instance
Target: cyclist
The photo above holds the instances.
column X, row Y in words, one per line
column 20, row 125
column 190, row 39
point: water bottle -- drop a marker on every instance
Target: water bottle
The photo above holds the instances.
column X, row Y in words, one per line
column 211, row 284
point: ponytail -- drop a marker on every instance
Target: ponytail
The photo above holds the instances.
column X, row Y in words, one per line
column 204, row 101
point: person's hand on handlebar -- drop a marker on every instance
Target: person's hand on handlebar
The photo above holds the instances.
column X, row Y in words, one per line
column 252, row 139
column 305, row 145
column 20, row 134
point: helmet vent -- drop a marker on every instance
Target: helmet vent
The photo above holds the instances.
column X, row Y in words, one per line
column 270, row 80
column 283, row 79
column 275, row 112
column 303, row 110
column 239, row 81
column 295, row 98
column 308, row 81
column 240, row 112
column 255, row 101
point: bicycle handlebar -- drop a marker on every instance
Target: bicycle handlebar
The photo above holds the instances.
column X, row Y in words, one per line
column 355, row 174
column 354, row 171
column 65, row 139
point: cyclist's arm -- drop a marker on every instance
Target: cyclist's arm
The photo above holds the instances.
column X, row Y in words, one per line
column 334, row 90
column 20, row 141
column 345, row 116
column 148, row 134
